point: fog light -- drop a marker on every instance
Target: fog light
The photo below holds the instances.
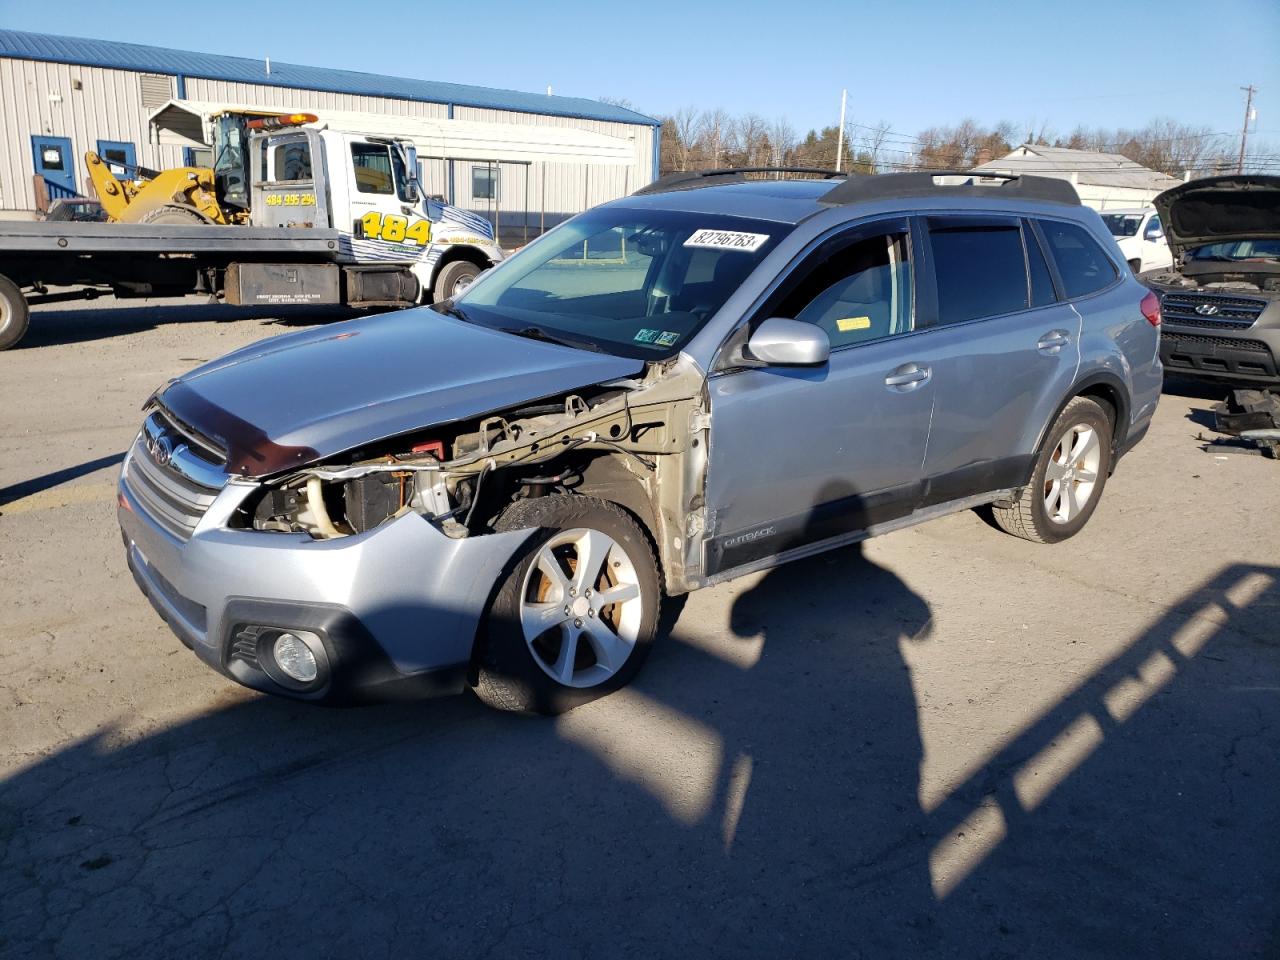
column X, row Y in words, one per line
column 295, row 658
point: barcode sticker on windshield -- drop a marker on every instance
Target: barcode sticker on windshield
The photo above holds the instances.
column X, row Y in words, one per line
column 727, row 240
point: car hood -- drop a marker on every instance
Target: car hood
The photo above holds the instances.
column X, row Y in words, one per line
column 292, row 400
column 1220, row 209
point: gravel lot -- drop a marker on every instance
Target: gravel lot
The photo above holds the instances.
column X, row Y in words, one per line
column 948, row 743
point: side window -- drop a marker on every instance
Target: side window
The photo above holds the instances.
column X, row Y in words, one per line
column 484, row 183
column 372, row 163
column 292, row 161
column 856, row 291
column 1082, row 265
column 1042, row 292
column 979, row 266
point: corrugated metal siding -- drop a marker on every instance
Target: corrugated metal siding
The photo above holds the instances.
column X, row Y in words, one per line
column 107, row 107
column 110, row 107
column 557, row 190
column 317, row 100
column 133, row 56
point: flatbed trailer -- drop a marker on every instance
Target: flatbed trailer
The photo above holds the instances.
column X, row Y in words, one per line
column 325, row 217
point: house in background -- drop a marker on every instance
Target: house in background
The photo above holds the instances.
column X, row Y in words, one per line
column 1103, row 180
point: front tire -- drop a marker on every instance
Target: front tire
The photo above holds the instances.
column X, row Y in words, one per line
column 15, row 314
column 1070, row 474
column 576, row 617
column 454, row 278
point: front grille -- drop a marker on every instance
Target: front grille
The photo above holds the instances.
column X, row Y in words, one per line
column 173, row 474
column 1256, row 346
column 1234, row 313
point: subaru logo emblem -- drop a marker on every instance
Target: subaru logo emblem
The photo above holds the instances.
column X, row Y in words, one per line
column 161, row 450
column 1207, row 309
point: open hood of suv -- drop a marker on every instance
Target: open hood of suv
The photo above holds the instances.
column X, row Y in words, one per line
column 1218, row 209
column 292, row 400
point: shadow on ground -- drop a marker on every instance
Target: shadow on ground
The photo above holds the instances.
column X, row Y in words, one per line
column 54, row 325
column 755, row 798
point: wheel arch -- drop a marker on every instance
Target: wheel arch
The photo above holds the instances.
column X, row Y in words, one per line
column 1103, row 386
column 458, row 252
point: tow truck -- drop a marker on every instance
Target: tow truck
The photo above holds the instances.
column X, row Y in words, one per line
column 292, row 212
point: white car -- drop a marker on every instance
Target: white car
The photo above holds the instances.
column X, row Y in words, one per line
column 1141, row 238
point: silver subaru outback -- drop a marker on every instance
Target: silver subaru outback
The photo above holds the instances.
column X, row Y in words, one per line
column 712, row 376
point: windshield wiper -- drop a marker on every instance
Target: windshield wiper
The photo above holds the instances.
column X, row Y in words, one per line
column 537, row 333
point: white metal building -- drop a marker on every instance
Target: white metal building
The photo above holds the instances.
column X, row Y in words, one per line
column 1103, row 180
column 548, row 156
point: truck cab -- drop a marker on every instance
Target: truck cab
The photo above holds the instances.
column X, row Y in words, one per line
column 278, row 172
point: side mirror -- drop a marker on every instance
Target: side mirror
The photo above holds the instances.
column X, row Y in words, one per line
column 789, row 343
column 1155, row 235
column 412, row 187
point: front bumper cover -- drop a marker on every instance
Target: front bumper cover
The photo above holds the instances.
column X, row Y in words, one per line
column 397, row 607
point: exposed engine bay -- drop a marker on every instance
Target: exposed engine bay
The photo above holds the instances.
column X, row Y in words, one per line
column 638, row 442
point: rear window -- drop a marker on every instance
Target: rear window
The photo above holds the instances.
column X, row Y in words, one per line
column 1082, row 265
column 980, row 268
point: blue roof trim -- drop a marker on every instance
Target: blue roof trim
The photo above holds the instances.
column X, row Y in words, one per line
column 134, row 56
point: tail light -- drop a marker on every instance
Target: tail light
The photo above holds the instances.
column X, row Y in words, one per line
column 1151, row 308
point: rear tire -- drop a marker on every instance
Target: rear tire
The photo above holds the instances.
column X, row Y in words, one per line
column 1068, row 480
column 173, row 214
column 553, row 637
column 454, row 278
column 15, row 314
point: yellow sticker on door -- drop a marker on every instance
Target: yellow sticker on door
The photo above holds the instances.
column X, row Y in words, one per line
column 853, row 323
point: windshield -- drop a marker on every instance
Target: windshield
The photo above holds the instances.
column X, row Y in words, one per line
column 1238, row 250
column 637, row 283
column 1122, row 224
column 229, row 167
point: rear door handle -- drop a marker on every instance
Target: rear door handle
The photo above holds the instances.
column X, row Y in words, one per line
column 1053, row 341
column 909, row 376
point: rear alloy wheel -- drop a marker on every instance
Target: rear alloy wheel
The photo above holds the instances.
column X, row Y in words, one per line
column 1068, row 480
column 575, row 618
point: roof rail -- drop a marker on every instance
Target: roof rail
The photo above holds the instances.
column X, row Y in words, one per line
column 925, row 183
column 692, row 179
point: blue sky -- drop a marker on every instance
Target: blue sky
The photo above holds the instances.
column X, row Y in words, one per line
column 913, row 64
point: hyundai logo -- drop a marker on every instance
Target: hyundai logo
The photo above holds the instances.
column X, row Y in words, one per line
column 161, row 449
column 1207, row 309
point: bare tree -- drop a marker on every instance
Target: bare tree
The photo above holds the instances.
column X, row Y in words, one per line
column 686, row 126
column 782, row 137
column 868, row 144
column 752, row 140
column 717, row 133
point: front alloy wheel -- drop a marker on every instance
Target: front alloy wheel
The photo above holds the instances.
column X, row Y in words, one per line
column 576, row 616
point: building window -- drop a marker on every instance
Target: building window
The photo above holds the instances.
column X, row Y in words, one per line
column 484, row 183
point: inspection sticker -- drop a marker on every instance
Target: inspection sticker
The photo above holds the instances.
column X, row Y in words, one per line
column 667, row 338
column 727, row 240
column 846, row 324
column 646, row 336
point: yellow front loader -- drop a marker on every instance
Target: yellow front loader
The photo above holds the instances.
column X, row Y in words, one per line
column 180, row 195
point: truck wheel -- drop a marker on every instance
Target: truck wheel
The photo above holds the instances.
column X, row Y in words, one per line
column 1068, row 479
column 577, row 615
column 15, row 314
column 453, row 279
column 172, row 214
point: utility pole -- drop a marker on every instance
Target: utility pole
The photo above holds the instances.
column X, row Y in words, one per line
column 1244, row 132
column 844, row 99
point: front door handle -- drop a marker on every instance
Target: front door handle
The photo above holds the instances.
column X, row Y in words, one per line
column 1053, row 341
column 909, row 376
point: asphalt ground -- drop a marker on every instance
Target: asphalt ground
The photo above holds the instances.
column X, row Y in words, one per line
column 947, row 743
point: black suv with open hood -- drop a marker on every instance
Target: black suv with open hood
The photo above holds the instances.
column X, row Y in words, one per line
column 1221, row 298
